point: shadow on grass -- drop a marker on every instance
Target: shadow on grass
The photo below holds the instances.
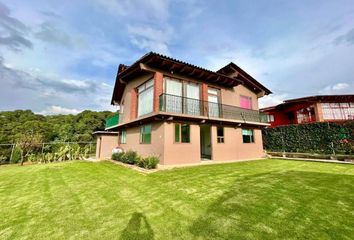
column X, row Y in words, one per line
column 137, row 228
column 281, row 205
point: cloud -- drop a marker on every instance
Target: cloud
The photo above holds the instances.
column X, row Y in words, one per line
column 150, row 38
column 348, row 38
column 272, row 100
column 338, row 88
column 49, row 33
column 137, row 9
column 13, row 33
column 56, row 110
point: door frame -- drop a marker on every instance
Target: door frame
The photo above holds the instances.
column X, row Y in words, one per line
column 201, row 142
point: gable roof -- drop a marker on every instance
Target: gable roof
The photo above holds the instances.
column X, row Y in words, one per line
column 158, row 61
column 247, row 79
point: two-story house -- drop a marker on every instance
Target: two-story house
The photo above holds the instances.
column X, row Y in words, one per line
column 183, row 113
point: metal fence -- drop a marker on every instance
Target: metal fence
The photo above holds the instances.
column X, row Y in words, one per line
column 48, row 152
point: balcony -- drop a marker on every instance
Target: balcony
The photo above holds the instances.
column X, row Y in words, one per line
column 182, row 105
column 112, row 121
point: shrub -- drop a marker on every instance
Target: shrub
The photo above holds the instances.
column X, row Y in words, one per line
column 148, row 162
column 129, row 157
column 321, row 138
column 117, row 156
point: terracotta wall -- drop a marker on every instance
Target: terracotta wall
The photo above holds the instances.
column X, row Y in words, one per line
column 233, row 147
column 105, row 145
column 126, row 98
column 181, row 153
column 155, row 148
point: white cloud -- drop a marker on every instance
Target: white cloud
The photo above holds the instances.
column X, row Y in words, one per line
column 338, row 88
column 272, row 100
column 151, row 38
column 56, row 110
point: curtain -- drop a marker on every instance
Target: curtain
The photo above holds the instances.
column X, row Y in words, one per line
column 173, row 99
column 213, row 106
column 245, row 102
column 145, row 102
column 192, row 103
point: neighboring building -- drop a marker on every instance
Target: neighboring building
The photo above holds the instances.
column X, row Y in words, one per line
column 184, row 114
column 323, row 108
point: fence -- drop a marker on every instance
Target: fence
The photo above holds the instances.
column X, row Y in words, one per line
column 47, row 152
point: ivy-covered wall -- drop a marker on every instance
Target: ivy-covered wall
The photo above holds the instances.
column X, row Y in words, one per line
column 327, row 138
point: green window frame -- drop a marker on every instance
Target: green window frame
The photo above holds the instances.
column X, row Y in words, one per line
column 123, row 137
column 248, row 135
column 220, row 135
column 182, row 133
column 145, row 134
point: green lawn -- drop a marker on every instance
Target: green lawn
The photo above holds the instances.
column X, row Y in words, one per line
column 266, row 199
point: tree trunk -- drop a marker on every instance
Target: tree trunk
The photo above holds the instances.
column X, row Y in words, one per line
column 22, row 158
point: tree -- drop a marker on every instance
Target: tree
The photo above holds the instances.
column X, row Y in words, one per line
column 28, row 142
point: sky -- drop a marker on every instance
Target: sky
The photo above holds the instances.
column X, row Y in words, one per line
column 61, row 57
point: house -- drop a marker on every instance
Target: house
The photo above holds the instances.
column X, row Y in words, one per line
column 322, row 108
column 183, row 113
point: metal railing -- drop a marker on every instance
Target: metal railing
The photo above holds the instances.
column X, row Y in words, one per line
column 112, row 121
column 195, row 107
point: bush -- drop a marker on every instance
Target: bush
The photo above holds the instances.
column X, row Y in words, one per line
column 148, row 162
column 130, row 157
column 321, row 138
column 117, row 156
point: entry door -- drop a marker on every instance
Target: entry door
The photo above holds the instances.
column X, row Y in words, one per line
column 205, row 142
column 173, row 96
column 213, row 102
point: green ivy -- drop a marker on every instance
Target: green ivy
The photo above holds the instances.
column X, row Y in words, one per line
column 325, row 138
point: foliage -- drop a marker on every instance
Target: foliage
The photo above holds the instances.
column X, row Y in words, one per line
column 132, row 157
column 148, row 162
column 325, row 138
column 63, row 128
column 117, row 156
column 28, row 143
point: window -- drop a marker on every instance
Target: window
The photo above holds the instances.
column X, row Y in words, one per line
column 177, row 132
column 182, row 96
column 145, row 98
column 248, row 136
column 338, row 111
column 220, row 134
column 182, row 133
column 123, row 136
column 245, row 102
column 145, row 134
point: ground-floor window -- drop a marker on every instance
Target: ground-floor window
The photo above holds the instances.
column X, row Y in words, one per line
column 123, row 136
column 248, row 135
column 220, row 134
column 182, row 133
column 145, row 134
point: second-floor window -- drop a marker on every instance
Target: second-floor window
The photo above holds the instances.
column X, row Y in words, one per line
column 246, row 102
column 145, row 97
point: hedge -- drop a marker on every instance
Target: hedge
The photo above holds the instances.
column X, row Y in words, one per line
column 323, row 138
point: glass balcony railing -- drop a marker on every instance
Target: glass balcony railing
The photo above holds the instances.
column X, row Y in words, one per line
column 182, row 105
column 112, row 121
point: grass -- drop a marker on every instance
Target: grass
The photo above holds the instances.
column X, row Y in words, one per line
column 266, row 199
